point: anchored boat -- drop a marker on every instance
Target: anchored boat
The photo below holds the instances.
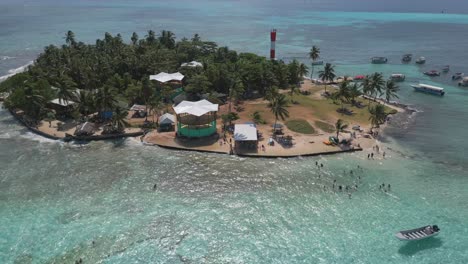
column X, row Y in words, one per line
column 457, row 76
column 432, row 73
column 421, row 60
column 418, row 233
column 397, row 77
column 446, row 68
column 317, row 63
column 425, row 88
column 407, row 57
column 463, row 82
column 379, row 60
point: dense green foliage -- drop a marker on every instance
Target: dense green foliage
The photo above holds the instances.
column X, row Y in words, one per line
column 109, row 74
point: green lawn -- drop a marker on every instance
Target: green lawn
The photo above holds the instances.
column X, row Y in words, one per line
column 325, row 127
column 300, row 126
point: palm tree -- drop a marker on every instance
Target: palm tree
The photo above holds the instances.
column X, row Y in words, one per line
column 105, row 99
column 343, row 93
column 236, row 89
column 302, row 71
column 354, row 92
column 155, row 103
column 151, row 37
column 86, row 102
column 314, row 54
column 134, row 38
column 119, row 121
column 293, row 89
column 328, row 74
column 340, row 126
column 278, row 106
column 70, row 38
column 66, row 89
column 391, row 90
column 377, row 115
column 167, row 38
column 378, row 84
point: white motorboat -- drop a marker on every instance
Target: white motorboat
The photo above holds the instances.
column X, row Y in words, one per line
column 425, row 88
column 418, row 233
column 421, row 60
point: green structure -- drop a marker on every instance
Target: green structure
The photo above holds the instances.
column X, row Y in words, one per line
column 196, row 119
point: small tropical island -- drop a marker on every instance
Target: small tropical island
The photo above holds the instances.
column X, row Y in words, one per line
column 192, row 94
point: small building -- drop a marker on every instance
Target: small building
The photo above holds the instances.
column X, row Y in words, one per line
column 196, row 119
column 62, row 107
column 245, row 137
column 164, row 77
column 85, row 129
column 192, row 64
column 166, row 122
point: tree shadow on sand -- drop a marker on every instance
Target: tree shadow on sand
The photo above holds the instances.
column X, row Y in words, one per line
column 413, row 247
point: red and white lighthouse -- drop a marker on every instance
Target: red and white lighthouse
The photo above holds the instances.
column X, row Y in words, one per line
column 273, row 41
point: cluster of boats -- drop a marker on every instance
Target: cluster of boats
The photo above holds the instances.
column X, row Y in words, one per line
column 398, row 77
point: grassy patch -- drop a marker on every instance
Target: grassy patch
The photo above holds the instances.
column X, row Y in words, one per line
column 300, row 126
column 325, row 127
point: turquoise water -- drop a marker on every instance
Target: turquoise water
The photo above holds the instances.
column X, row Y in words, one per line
column 57, row 198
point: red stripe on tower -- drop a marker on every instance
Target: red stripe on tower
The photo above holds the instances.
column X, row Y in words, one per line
column 273, row 41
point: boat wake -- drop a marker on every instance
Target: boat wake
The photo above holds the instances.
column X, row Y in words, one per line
column 15, row 71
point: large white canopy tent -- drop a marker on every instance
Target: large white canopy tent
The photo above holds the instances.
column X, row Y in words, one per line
column 164, row 77
column 198, row 108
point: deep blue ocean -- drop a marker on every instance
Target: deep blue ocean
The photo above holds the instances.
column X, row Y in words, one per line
column 60, row 202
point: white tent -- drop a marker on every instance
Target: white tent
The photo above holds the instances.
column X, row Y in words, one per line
column 62, row 102
column 167, row 119
column 245, row 132
column 198, row 108
column 192, row 64
column 137, row 107
column 166, row 77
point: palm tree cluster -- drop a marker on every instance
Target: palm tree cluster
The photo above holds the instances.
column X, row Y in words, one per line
column 103, row 76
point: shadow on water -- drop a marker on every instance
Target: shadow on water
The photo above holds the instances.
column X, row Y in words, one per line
column 413, row 247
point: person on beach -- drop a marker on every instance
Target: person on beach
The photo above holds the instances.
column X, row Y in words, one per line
column 372, row 155
column 340, row 188
column 389, row 187
column 316, row 163
column 383, row 154
column 321, row 165
column 368, row 156
column 155, row 186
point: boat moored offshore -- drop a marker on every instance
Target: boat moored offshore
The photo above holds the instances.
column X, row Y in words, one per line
column 421, row 60
column 317, row 63
column 431, row 89
column 397, row 77
column 418, row 233
column 407, row 57
column 379, row 60
column 432, row 73
column 446, row 68
column 463, row 82
column 457, row 76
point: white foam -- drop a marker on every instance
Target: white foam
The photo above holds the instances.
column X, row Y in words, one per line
column 38, row 138
column 15, row 71
column 6, row 58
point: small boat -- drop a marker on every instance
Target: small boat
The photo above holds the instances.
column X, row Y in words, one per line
column 425, row 88
column 432, row 73
column 407, row 57
column 397, row 77
column 418, row 233
column 317, row 63
column 379, row 60
column 446, row 68
column 359, row 78
column 457, row 76
column 421, row 60
column 463, row 82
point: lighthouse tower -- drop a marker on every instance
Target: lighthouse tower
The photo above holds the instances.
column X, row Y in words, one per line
column 273, row 41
